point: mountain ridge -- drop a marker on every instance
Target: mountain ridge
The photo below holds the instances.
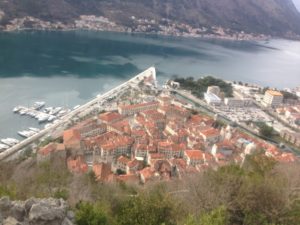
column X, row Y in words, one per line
column 270, row 17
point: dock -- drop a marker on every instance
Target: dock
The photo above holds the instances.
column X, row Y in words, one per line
column 151, row 72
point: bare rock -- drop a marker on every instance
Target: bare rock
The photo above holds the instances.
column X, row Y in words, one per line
column 29, row 203
column 11, row 221
column 71, row 215
column 5, row 205
column 48, row 212
column 18, row 211
column 66, row 221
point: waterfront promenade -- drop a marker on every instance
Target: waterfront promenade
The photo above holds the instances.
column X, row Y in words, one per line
column 151, row 72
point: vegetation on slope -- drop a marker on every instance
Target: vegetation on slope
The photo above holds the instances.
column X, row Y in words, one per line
column 259, row 16
column 199, row 87
column 261, row 192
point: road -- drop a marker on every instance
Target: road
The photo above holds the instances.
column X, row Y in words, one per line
column 67, row 118
column 202, row 106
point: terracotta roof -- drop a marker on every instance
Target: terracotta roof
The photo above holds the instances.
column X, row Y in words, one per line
column 52, row 147
column 194, row 154
column 274, row 93
column 147, row 173
column 210, row 132
column 77, row 165
column 133, row 163
column 123, row 160
column 157, row 156
column 109, row 117
column 71, row 135
column 128, row 178
column 286, row 158
column 103, row 172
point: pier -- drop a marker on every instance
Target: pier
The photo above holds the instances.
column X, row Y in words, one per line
column 151, row 72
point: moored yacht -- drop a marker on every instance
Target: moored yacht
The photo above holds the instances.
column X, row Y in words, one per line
column 34, row 129
column 17, row 108
column 38, row 105
column 3, row 147
column 9, row 141
column 26, row 133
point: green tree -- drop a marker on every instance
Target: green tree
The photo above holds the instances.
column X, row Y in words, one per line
column 265, row 130
column 89, row 214
column 154, row 208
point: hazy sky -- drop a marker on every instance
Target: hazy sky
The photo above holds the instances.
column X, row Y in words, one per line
column 297, row 3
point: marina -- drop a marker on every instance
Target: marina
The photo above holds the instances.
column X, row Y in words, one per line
column 48, row 115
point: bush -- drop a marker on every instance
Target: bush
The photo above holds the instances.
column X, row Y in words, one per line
column 89, row 214
column 154, row 208
column 7, row 191
column 61, row 193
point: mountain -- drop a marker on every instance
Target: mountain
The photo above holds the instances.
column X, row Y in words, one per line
column 273, row 17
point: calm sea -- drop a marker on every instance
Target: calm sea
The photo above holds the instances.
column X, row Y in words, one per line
column 69, row 68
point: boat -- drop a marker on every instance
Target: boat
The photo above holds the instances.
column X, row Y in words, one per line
column 17, row 109
column 3, row 147
column 26, row 133
column 48, row 109
column 34, row 129
column 48, row 125
column 38, row 105
column 9, row 141
column 76, row 107
column 51, row 118
column 43, row 117
column 23, row 111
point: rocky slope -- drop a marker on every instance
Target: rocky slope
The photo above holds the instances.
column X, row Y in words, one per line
column 274, row 17
column 35, row 212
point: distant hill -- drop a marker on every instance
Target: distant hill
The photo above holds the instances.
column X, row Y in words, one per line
column 274, row 17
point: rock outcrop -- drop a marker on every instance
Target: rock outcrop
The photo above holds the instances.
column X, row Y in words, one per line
column 35, row 212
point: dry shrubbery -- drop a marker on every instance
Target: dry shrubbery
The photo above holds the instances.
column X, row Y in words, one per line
column 261, row 192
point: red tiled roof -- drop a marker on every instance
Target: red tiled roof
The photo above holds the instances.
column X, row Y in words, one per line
column 123, row 160
column 77, row 165
column 71, row 135
column 147, row 173
column 109, row 117
column 194, row 154
column 128, row 178
column 52, row 147
column 103, row 172
column 210, row 132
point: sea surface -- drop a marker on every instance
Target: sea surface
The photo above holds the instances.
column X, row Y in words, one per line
column 70, row 68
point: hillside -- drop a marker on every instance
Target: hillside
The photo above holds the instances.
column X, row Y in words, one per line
column 272, row 17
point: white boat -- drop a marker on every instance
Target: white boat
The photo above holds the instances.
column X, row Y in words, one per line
column 34, row 129
column 23, row 111
column 38, row 105
column 48, row 125
column 76, row 107
column 43, row 117
column 26, row 133
column 55, row 111
column 9, row 141
column 17, row 109
column 3, row 147
column 51, row 118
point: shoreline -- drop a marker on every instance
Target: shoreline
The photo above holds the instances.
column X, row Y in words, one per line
column 202, row 37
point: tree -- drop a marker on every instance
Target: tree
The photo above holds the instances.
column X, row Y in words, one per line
column 154, row 208
column 89, row 214
column 265, row 130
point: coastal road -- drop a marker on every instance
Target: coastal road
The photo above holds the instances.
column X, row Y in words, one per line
column 67, row 118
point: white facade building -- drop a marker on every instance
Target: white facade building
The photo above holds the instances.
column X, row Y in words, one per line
column 273, row 98
column 238, row 103
column 212, row 99
column 213, row 90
